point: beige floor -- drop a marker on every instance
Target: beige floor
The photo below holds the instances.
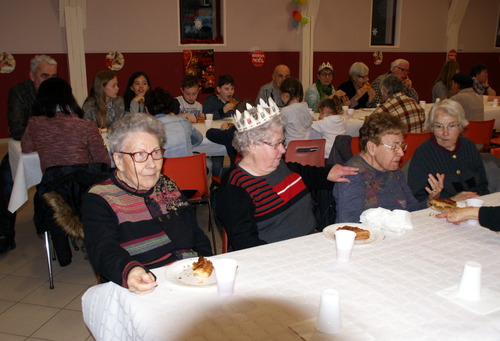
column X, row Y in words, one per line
column 29, row 310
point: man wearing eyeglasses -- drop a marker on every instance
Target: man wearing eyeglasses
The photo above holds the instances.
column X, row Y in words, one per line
column 401, row 69
column 396, row 103
column 21, row 99
column 272, row 89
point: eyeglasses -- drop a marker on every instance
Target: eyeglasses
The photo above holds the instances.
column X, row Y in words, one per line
column 275, row 145
column 326, row 74
column 363, row 77
column 450, row 126
column 396, row 147
column 403, row 69
column 140, row 157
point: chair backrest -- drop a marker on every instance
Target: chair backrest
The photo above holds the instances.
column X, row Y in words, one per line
column 495, row 151
column 480, row 132
column 188, row 172
column 413, row 140
column 306, row 152
column 355, row 145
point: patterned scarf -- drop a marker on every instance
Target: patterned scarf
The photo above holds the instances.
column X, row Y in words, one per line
column 324, row 90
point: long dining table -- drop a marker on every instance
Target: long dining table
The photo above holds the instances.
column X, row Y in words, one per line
column 388, row 291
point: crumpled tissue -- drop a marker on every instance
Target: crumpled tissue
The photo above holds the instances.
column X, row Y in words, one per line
column 396, row 221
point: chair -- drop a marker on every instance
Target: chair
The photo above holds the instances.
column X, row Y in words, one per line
column 57, row 207
column 480, row 132
column 190, row 175
column 306, row 152
column 225, row 241
column 495, row 151
column 413, row 140
column 355, row 145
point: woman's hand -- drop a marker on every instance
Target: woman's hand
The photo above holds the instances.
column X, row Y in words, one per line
column 436, row 185
column 139, row 98
column 371, row 95
column 201, row 116
column 140, row 282
column 459, row 214
column 360, row 93
column 464, row 196
column 338, row 173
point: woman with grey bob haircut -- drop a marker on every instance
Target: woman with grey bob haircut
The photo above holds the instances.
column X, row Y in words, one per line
column 451, row 108
column 242, row 140
column 262, row 198
column 133, row 123
column 357, row 88
column 448, row 155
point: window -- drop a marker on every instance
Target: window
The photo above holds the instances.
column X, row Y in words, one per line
column 383, row 28
column 200, row 22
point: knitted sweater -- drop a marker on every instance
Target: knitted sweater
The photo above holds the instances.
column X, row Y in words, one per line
column 372, row 188
column 463, row 168
column 125, row 228
column 256, row 210
column 115, row 109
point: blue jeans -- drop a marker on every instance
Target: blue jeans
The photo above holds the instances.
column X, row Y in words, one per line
column 7, row 219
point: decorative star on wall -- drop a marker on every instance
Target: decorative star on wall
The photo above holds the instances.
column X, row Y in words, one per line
column 374, row 31
column 198, row 24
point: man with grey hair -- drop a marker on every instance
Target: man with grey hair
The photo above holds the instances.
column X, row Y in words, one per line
column 272, row 89
column 396, row 103
column 21, row 99
column 400, row 68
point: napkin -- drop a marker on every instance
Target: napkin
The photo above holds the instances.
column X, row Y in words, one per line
column 397, row 221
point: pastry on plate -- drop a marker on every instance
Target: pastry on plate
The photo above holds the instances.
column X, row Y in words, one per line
column 203, row 267
column 440, row 204
column 361, row 234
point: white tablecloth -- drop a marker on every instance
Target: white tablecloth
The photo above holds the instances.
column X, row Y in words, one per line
column 388, row 290
column 491, row 112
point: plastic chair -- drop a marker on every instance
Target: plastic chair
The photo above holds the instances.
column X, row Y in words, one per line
column 306, row 152
column 190, row 175
column 480, row 132
column 355, row 145
column 413, row 140
column 495, row 151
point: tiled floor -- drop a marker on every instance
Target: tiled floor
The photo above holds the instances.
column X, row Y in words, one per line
column 29, row 310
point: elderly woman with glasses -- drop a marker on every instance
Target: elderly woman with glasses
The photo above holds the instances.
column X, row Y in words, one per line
column 450, row 155
column 263, row 199
column 380, row 182
column 322, row 87
column 357, row 88
column 138, row 219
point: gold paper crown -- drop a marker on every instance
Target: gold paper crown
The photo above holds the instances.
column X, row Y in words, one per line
column 255, row 116
column 324, row 66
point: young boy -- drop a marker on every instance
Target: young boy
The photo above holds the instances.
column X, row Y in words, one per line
column 223, row 103
column 188, row 106
column 330, row 124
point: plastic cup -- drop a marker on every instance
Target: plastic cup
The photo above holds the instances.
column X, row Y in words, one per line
column 344, row 240
column 473, row 202
column 495, row 102
column 209, row 117
column 422, row 104
column 208, row 123
column 225, row 274
column 438, row 100
column 350, row 113
column 329, row 320
column 344, row 109
column 470, row 283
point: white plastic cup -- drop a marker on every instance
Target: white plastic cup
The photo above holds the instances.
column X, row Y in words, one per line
column 470, row 283
column 208, row 123
column 473, row 202
column 225, row 274
column 209, row 117
column 329, row 320
column 350, row 113
column 422, row 104
column 344, row 109
column 438, row 100
column 495, row 102
column 485, row 98
column 344, row 240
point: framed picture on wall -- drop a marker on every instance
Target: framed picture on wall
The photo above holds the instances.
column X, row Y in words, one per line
column 384, row 22
column 201, row 22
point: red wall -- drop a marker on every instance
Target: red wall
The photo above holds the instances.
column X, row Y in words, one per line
column 166, row 70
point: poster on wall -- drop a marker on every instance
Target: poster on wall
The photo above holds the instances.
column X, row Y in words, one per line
column 7, row 62
column 114, row 60
column 200, row 63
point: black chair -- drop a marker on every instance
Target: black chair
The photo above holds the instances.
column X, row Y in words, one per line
column 57, row 207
